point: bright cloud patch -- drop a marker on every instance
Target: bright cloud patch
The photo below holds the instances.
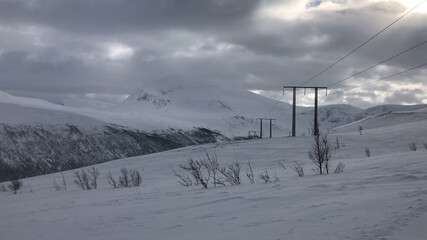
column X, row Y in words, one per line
column 119, row 52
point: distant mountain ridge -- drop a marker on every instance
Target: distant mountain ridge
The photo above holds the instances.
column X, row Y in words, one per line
column 37, row 136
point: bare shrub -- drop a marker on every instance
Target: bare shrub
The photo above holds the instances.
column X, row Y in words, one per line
column 135, row 177
column 128, row 178
column 60, row 186
column 367, row 152
column 15, row 185
column 276, row 178
column 124, row 178
column 64, row 183
column 321, row 154
column 56, row 186
column 183, row 180
column 111, row 179
column 282, row 165
column 250, row 173
column 232, row 173
column 93, row 177
column 265, row 176
column 212, row 166
column 86, row 180
column 82, row 179
column 298, row 168
column 202, row 170
column 194, row 167
column 413, row 146
column 360, row 130
column 339, row 168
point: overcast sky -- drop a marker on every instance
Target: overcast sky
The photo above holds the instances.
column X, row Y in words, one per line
column 108, row 48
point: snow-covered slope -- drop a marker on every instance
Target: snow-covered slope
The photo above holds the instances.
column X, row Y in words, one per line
column 161, row 115
column 380, row 197
column 388, row 119
column 80, row 102
column 38, row 137
column 174, row 102
column 89, row 101
column 180, row 104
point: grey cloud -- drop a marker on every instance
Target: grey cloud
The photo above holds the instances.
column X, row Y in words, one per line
column 117, row 16
column 358, row 102
column 406, row 96
column 386, row 7
column 218, row 40
column 19, row 72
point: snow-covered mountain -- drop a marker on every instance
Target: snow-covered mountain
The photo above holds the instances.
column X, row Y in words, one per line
column 38, row 137
column 174, row 102
column 161, row 115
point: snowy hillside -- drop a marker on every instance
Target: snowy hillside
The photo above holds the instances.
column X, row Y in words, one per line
column 80, row 102
column 43, row 137
column 38, row 137
column 383, row 196
column 177, row 103
column 174, row 102
column 389, row 119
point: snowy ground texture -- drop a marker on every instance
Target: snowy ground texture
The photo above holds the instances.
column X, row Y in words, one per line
column 380, row 197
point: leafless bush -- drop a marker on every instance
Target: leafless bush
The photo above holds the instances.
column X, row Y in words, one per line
column 265, row 176
column 367, row 152
column 232, row 173
column 111, row 179
column 339, row 168
column 135, row 177
column 93, row 177
column 82, row 179
column 250, row 173
column 64, row 183
column 183, row 180
column 56, row 185
column 276, row 178
column 3, row 188
column 124, row 178
column 321, row 154
column 298, row 168
column 15, row 185
column 212, row 166
column 202, row 170
column 128, row 178
column 86, row 180
column 62, row 186
column 195, row 168
column 413, row 146
column 282, row 165
column 360, row 130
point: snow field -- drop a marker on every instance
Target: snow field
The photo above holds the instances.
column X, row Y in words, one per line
column 381, row 197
